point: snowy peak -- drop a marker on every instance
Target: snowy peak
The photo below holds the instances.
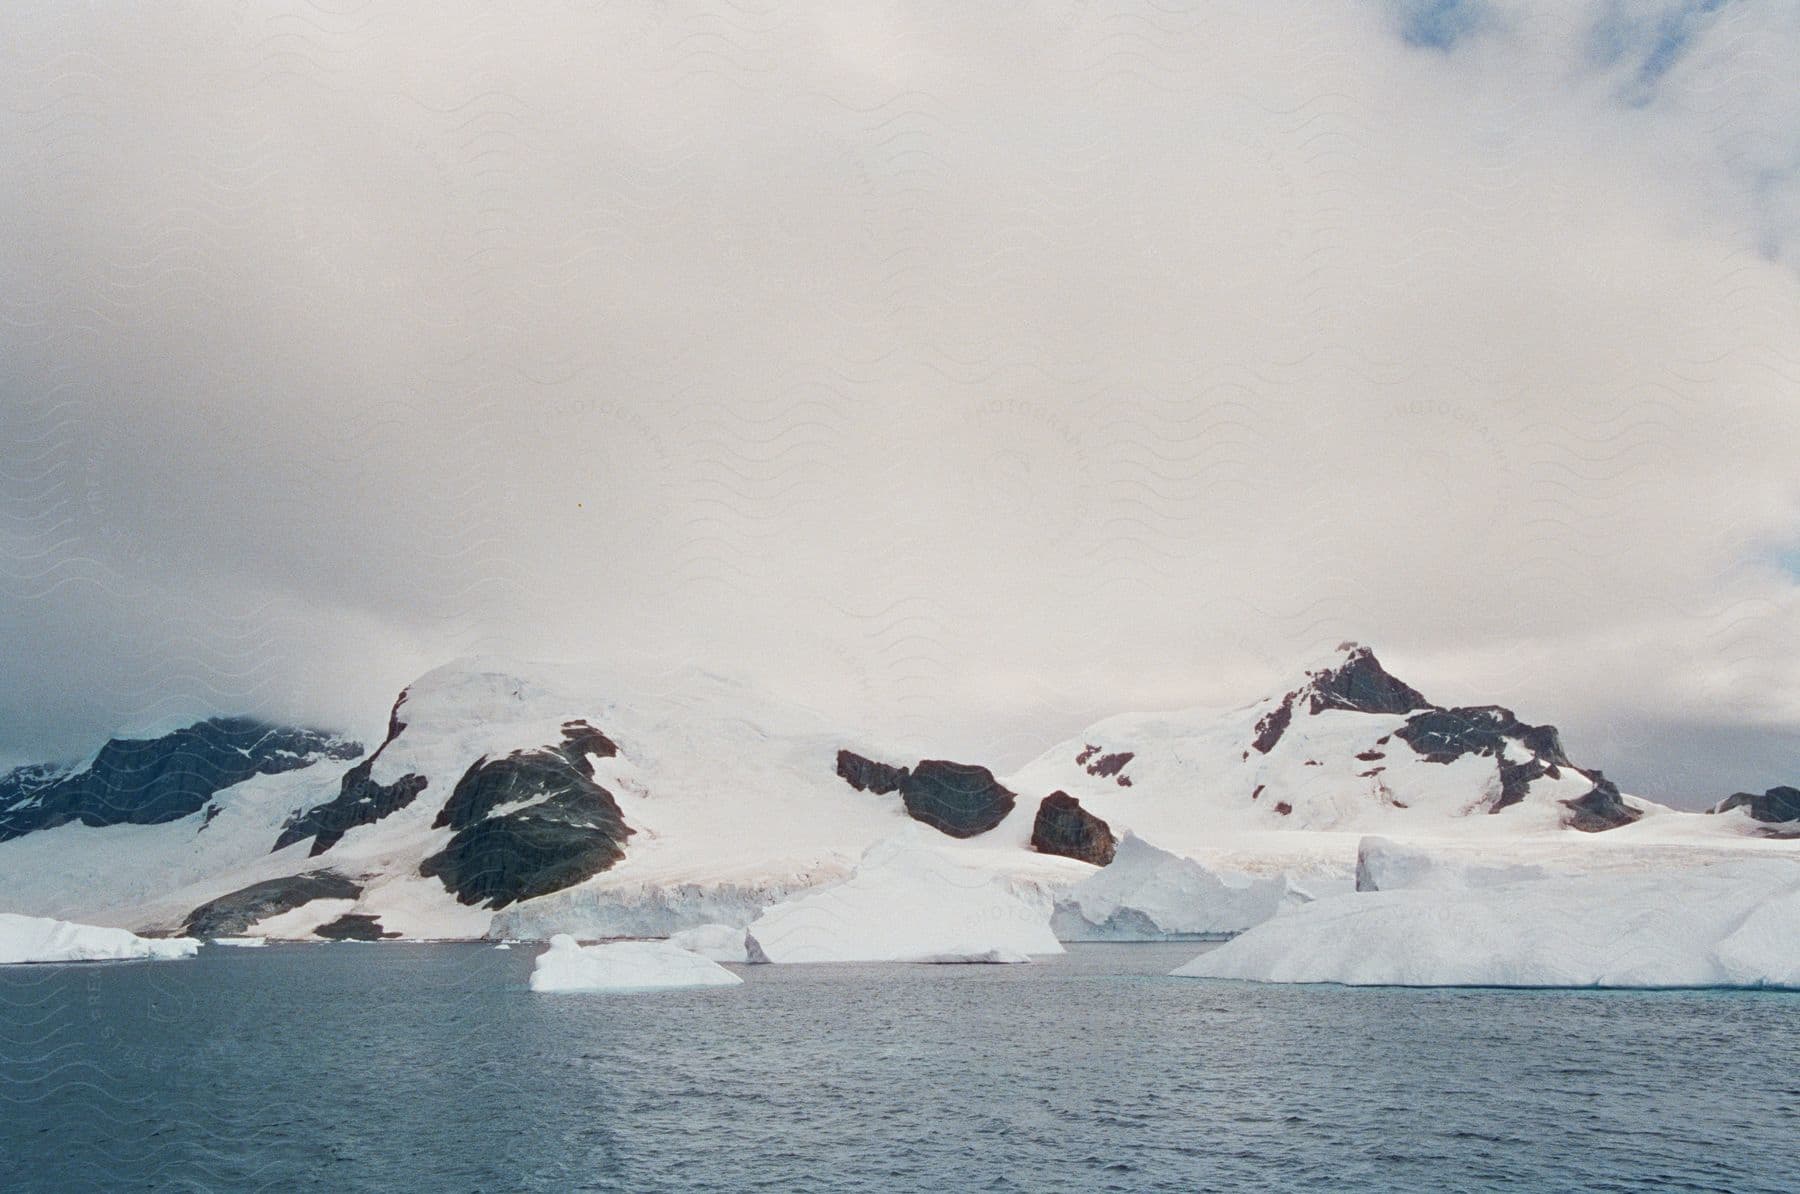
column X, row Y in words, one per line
column 1356, row 681
column 1350, row 746
column 1352, row 680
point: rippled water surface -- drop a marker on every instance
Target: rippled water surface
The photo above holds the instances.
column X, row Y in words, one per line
column 420, row 1067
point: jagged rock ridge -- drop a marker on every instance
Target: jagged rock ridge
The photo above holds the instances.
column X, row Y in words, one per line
column 360, row 800
column 149, row 781
column 1358, row 684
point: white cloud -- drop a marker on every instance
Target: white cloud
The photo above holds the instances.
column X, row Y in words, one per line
column 977, row 370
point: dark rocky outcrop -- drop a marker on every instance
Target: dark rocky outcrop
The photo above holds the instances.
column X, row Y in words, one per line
column 1362, row 685
column 1064, row 827
column 1358, row 684
column 581, row 740
column 148, row 781
column 360, row 800
column 1105, row 766
column 1777, row 805
column 232, row 914
column 1273, row 725
column 1442, row 735
column 866, row 775
column 353, row 926
column 1600, row 809
column 1445, row 735
column 960, row 799
column 526, row 775
column 569, row 828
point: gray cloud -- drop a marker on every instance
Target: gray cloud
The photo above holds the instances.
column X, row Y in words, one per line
column 970, row 373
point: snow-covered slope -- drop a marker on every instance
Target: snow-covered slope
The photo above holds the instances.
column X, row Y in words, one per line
column 1730, row 924
column 523, row 801
column 570, row 799
column 1294, row 781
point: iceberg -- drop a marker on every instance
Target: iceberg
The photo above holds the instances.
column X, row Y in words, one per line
column 1149, row 894
column 624, row 966
column 242, row 942
column 1386, row 865
column 1729, row 924
column 910, row 901
column 719, row 943
column 39, row 939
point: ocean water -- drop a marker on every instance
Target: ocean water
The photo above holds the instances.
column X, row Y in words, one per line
column 416, row 1067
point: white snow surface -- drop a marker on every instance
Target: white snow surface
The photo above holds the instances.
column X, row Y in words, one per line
column 913, row 899
column 718, row 943
column 736, row 808
column 1386, row 865
column 1728, row 924
column 40, row 939
column 566, row 965
column 1149, row 894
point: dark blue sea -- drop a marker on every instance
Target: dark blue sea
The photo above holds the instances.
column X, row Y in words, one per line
column 431, row 1067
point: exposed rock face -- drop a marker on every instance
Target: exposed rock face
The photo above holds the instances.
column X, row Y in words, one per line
column 1106, row 766
column 568, row 829
column 1064, row 827
column 360, row 800
column 152, row 780
column 353, row 926
column 1359, row 684
column 1779, row 804
column 960, row 799
column 581, row 739
column 866, row 775
column 1362, row 685
column 1273, row 725
column 232, row 914
column 1601, row 809
column 1445, row 735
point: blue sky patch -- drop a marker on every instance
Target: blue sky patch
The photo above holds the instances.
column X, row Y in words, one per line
column 1438, row 24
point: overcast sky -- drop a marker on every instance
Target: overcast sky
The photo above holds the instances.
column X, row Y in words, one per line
column 970, row 371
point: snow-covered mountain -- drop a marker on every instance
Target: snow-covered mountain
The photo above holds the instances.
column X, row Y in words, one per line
column 1350, row 748
column 524, row 801
column 146, row 781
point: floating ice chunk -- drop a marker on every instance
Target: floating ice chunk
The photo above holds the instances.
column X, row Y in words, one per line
column 38, row 939
column 1730, row 924
column 242, row 942
column 909, row 900
column 624, row 966
column 1149, row 894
